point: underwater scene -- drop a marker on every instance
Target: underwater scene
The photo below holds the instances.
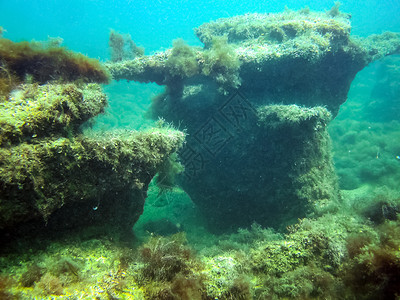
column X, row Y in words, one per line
column 189, row 149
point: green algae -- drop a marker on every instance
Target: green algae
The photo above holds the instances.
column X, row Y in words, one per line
column 34, row 111
column 51, row 174
column 58, row 171
column 182, row 62
column 221, row 63
column 122, row 47
column 320, row 257
column 274, row 28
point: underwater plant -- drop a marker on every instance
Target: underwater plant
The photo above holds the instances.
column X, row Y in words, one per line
column 165, row 257
column 122, row 47
column 6, row 282
column 41, row 142
column 222, row 64
column 169, row 170
column 42, row 63
column 182, row 63
column 34, row 111
column 116, row 42
column 49, row 285
column 334, row 11
column 373, row 271
column 33, row 274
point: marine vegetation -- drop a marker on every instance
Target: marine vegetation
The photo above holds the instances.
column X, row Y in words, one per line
column 34, row 111
column 373, row 268
column 52, row 176
column 221, row 63
column 122, row 47
column 182, row 62
column 40, row 63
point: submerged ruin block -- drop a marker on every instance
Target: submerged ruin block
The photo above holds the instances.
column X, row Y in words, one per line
column 256, row 108
column 54, row 177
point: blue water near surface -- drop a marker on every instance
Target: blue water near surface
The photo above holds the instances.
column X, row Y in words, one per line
column 85, row 24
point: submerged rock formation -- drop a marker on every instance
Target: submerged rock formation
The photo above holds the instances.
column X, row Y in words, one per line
column 52, row 176
column 256, row 101
column 301, row 57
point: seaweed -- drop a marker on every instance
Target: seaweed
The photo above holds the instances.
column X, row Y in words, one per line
column 122, row 47
column 116, row 43
column 33, row 274
column 66, row 266
column 6, row 282
column 34, row 111
column 373, row 272
column 334, row 11
column 166, row 179
column 182, row 63
column 165, row 257
column 42, row 63
column 222, row 64
column 49, row 285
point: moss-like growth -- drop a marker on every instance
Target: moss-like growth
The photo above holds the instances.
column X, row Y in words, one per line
column 278, row 258
column 49, row 171
column 39, row 178
column 291, row 116
column 222, row 64
column 182, row 62
column 43, row 63
column 257, row 28
column 307, row 263
column 32, row 111
column 374, row 270
column 289, row 57
column 164, row 258
column 5, row 284
column 222, row 277
column 122, row 47
column 49, row 285
column 32, row 275
column 170, row 270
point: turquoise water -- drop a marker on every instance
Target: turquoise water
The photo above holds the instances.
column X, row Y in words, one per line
column 306, row 257
column 85, row 25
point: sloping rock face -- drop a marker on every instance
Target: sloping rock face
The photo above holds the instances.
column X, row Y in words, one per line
column 54, row 178
column 256, row 101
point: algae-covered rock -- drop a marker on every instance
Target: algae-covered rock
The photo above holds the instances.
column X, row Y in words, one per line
column 94, row 178
column 256, row 109
column 33, row 111
column 52, row 174
column 274, row 168
column 303, row 57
